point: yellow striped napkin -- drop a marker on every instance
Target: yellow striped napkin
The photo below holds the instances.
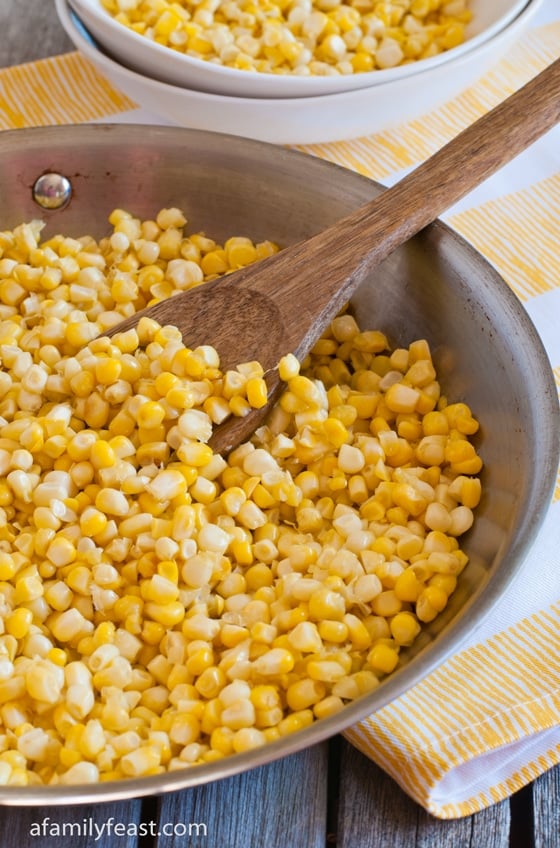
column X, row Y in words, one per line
column 488, row 720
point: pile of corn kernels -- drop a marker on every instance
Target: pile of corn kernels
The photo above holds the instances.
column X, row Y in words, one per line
column 161, row 606
column 303, row 37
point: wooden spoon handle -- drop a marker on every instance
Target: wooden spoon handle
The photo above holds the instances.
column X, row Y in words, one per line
column 350, row 248
column 462, row 164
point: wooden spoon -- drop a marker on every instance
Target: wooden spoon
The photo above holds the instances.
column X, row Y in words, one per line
column 284, row 303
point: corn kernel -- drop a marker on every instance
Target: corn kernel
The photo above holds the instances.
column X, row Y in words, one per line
column 383, row 658
column 18, row 622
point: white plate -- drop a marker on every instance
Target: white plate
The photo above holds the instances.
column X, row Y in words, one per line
column 303, row 120
column 145, row 56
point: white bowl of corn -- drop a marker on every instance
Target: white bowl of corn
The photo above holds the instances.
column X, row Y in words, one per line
column 300, row 49
column 171, row 616
column 310, row 119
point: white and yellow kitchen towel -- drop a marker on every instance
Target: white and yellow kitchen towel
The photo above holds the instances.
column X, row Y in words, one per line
column 487, row 721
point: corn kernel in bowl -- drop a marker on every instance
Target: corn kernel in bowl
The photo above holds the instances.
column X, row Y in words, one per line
column 301, row 37
column 162, row 606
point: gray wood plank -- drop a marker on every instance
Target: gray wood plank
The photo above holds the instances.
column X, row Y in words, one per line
column 546, row 801
column 281, row 805
column 488, row 829
column 30, row 30
column 373, row 812
column 491, row 827
column 81, row 826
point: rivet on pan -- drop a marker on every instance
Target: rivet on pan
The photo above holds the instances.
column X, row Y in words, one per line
column 52, row 191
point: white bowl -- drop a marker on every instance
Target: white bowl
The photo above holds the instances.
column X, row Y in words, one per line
column 303, row 120
column 147, row 57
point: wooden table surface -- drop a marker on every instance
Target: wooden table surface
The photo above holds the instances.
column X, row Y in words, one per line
column 329, row 795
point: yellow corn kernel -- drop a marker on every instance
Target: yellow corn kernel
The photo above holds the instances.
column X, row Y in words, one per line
column 462, row 457
column 305, row 693
column 453, row 36
column 409, row 498
column 404, row 628
column 288, row 367
column 333, row 631
column 150, row 415
column 386, row 604
column 467, row 490
column 435, row 424
column 264, row 696
column 92, row 521
column 407, row 586
column 239, row 713
column 18, row 622
column 112, row 502
column 152, row 632
column 210, row 682
column 276, row 661
column 168, row 614
column 214, row 262
column 435, row 596
column 107, row 370
column 28, row 588
column 305, row 637
column 446, row 582
column 325, row 603
column 200, row 661
column 401, row 398
column 257, row 392
column 362, row 62
column 142, row 761
column 295, row 721
column 185, row 729
column 57, row 656
column 248, row 738
column 79, row 579
column 327, row 671
column 44, row 682
column 328, row 706
column 383, row 658
column 221, row 739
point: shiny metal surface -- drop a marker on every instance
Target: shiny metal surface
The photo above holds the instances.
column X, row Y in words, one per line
column 485, row 347
column 52, row 191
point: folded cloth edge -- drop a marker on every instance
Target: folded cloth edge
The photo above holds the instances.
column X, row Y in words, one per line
column 453, row 768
